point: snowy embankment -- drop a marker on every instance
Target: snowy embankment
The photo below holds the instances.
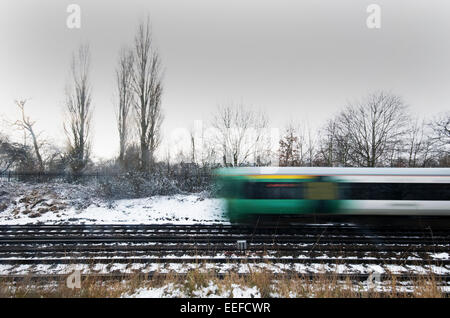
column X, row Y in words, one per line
column 70, row 204
column 185, row 209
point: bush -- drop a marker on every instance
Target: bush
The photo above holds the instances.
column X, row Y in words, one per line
column 158, row 182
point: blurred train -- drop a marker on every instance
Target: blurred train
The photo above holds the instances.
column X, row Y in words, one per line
column 332, row 193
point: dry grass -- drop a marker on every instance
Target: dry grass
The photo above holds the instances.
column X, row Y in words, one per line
column 268, row 285
column 91, row 287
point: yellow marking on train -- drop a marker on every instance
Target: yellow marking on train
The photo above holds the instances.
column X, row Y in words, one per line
column 279, row 176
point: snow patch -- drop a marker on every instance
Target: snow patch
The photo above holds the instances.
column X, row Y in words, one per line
column 210, row 291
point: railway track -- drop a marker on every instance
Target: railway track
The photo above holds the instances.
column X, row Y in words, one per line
column 35, row 245
column 216, row 234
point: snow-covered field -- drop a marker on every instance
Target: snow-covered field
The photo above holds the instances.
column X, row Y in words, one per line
column 68, row 204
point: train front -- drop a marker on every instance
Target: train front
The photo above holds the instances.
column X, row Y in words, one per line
column 259, row 193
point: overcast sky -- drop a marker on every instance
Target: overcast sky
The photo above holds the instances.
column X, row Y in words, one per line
column 296, row 60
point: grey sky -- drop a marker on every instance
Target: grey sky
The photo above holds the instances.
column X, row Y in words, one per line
column 297, row 60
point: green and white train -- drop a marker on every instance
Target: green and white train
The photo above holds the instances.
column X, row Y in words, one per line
column 289, row 191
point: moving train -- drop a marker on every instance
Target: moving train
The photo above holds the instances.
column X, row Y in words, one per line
column 332, row 193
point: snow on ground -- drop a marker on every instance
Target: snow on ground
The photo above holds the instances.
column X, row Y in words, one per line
column 185, row 209
column 211, row 291
column 238, row 291
column 67, row 204
column 222, row 268
column 440, row 256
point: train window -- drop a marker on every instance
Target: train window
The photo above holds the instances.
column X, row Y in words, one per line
column 273, row 190
column 395, row 191
column 321, row 191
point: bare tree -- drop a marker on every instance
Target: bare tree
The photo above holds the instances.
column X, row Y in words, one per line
column 12, row 155
column 147, row 86
column 332, row 150
column 239, row 131
column 124, row 81
column 417, row 144
column 193, row 141
column 79, row 111
column 441, row 127
column 311, row 146
column 56, row 159
column 291, row 147
column 202, row 144
column 372, row 127
column 26, row 124
column 264, row 153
